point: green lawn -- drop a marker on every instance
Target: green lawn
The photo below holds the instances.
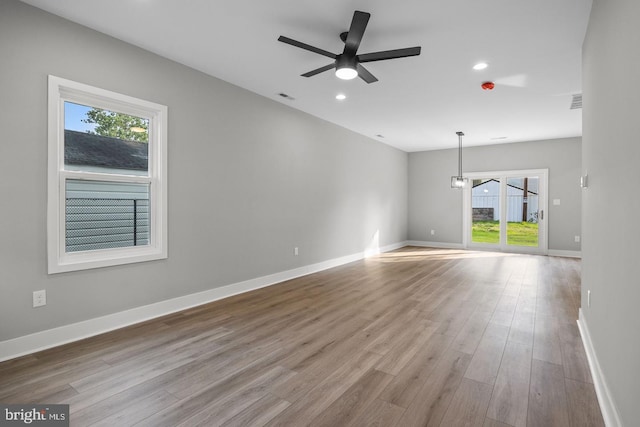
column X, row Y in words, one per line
column 518, row 233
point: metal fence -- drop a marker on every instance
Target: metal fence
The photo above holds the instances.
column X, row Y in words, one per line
column 101, row 223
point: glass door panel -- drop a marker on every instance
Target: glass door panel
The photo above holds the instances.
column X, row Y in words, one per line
column 522, row 195
column 485, row 211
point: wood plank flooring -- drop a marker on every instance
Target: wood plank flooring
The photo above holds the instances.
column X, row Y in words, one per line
column 414, row 337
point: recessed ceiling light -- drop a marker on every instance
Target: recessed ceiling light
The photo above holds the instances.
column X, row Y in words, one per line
column 480, row 66
column 341, row 96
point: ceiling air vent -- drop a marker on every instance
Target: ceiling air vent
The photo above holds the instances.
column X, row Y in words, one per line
column 576, row 102
column 285, row 96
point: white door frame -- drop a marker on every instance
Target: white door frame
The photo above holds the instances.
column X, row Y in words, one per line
column 543, row 236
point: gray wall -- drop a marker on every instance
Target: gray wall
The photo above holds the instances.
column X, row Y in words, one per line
column 434, row 205
column 611, row 155
column 249, row 178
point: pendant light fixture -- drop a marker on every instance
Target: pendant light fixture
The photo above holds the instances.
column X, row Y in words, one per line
column 459, row 181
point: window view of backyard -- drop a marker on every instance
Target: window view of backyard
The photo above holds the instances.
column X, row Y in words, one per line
column 518, row 233
column 105, row 214
column 521, row 213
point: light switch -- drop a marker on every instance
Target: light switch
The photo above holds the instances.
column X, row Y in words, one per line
column 556, row 202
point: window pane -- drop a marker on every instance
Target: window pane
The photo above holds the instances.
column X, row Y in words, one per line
column 485, row 208
column 97, row 140
column 522, row 211
column 101, row 215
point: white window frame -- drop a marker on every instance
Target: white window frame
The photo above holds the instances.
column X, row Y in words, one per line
column 61, row 90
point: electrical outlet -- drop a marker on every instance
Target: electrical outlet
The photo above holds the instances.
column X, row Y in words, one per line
column 589, row 299
column 39, row 298
column 295, row 251
column 577, row 239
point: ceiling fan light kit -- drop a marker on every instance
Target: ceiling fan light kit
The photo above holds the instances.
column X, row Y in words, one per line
column 348, row 64
column 346, row 68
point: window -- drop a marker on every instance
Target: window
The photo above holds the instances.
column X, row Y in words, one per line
column 107, row 197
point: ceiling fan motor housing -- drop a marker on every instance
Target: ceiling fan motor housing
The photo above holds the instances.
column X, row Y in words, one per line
column 346, row 67
column 344, row 61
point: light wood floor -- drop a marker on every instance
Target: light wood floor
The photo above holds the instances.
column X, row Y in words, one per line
column 419, row 336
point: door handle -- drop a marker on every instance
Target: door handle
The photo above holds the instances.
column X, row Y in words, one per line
column 541, row 214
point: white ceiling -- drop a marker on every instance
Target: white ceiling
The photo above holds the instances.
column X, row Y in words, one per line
column 533, row 49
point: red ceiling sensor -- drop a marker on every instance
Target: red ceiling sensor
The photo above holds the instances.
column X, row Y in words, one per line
column 488, row 86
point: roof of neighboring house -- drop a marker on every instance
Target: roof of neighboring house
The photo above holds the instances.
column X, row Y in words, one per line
column 531, row 190
column 88, row 149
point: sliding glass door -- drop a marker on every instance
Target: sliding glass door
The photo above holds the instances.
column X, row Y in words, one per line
column 505, row 211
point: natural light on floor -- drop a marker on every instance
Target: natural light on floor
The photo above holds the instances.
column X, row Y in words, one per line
column 409, row 254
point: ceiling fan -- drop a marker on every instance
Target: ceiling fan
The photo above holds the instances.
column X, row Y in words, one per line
column 348, row 63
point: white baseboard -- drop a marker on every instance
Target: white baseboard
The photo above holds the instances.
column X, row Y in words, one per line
column 605, row 399
column 43, row 340
column 440, row 245
column 567, row 254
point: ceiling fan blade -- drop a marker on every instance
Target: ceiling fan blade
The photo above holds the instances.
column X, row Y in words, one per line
column 356, row 31
column 389, row 54
column 305, row 46
column 318, row 70
column 365, row 75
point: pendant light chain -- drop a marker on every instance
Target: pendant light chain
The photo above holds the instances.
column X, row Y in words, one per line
column 460, row 135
